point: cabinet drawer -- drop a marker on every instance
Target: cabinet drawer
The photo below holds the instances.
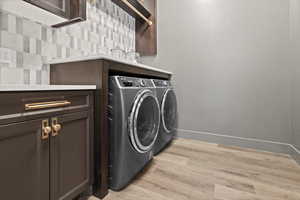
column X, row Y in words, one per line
column 25, row 104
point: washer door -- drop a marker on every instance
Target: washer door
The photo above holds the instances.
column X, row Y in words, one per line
column 169, row 111
column 144, row 121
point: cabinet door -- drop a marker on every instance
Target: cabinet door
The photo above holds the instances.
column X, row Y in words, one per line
column 70, row 156
column 24, row 162
column 58, row 7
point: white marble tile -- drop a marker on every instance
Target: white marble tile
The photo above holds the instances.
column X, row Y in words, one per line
column 63, row 39
column 11, row 40
column 26, row 76
column 4, row 21
column 74, row 30
column 12, row 75
column 85, row 34
column 32, row 61
column 32, row 77
column 6, row 55
column 63, row 52
column 49, row 50
column 12, row 24
column 32, row 29
column 45, row 78
column 13, row 58
column 49, row 35
column 32, row 46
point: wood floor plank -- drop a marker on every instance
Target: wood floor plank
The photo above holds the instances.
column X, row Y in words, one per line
column 194, row 170
column 226, row 193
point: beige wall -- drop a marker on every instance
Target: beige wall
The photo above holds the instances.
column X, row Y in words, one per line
column 295, row 61
column 231, row 65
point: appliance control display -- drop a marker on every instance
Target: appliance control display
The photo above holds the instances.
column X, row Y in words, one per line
column 162, row 83
column 127, row 83
column 135, row 82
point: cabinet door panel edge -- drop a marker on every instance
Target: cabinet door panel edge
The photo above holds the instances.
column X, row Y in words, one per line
column 70, row 156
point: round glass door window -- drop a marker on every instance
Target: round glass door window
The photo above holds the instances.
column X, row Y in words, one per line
column 169, row 111
column 144, row 121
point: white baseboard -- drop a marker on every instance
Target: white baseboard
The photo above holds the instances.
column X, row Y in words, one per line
column 265, row 145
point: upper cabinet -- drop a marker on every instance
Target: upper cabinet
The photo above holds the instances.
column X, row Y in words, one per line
column 146, row 35
column 144, row 11
column 72, row 10
column 54, row 13
column 58, row 7
column 136, row 9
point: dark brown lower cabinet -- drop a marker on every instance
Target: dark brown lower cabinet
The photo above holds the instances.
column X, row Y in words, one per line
column 46, row 154
column 24, row 162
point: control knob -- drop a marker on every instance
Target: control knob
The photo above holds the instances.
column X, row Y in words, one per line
column 142, row 83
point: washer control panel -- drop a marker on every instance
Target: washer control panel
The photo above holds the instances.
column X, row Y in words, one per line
column 134, row 82
column 161, row 83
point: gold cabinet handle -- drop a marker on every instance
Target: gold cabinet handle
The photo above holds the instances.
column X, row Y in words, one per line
column 46, row 129
column 56, row 127
column 44, row 105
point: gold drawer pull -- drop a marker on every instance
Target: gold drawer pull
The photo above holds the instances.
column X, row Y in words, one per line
column 43, row 105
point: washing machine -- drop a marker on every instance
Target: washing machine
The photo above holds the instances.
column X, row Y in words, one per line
column 134, row 117
column 169, row 116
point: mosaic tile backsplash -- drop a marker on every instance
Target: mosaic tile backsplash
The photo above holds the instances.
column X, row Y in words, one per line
column 26, row 45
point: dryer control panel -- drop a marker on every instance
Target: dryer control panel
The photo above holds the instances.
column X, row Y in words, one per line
column 161, row 83
column 134, row 82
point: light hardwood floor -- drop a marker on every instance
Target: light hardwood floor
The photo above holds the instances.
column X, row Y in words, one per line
column 195, row 170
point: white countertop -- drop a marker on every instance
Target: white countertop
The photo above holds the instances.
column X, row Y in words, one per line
column 106, row 57
column 22, row 88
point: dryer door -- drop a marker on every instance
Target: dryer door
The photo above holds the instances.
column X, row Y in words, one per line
column 169, row 111
column 144, row 121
